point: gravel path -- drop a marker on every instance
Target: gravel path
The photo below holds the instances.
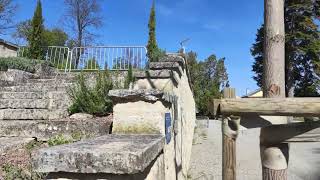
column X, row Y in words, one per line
column 206, row 160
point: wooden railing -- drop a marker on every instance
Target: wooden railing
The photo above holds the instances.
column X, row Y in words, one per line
column 254, row 112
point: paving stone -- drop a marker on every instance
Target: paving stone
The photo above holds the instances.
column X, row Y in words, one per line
column 116, row 154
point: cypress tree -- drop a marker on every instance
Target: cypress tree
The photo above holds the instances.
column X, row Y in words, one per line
column 36, row 36
column 152, row 46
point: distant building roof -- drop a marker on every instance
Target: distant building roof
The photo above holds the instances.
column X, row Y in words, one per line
column 254, row 94
column 2, row 41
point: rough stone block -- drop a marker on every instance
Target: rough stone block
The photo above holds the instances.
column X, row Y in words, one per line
column 24, row 103
column 166, row 65
column 43, row 130
column 115, row 154
column 31, row 114
column 121, row 95
column 21, row 95
column 8, row 143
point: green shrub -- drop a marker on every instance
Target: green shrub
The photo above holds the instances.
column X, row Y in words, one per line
column 28, row 65
column 129, row 78
column 58, row 140
column 91, row 100
column 157, row 55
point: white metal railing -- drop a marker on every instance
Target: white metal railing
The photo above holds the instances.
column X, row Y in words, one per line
column 94, row 58
column 107, row 57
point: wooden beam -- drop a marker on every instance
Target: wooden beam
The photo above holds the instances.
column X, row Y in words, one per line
column 293, row 133
column 304, row 107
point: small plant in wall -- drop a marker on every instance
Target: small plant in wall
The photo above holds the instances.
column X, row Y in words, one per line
column 91, row 100
column 130, row 78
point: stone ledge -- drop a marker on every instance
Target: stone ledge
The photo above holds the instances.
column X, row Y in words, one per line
column 121, row 95
column 114, row 154
column 157, row 74
column 166, row 65
column 173, row 58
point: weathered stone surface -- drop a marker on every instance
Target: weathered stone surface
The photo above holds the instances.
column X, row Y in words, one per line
column 21, row 95
column 116, row 154
column 135, row 95
column 8, row 143
column 163, row 73
column 166, row 65
column 42, row 88
column 173, row 58
column 24, row 103
column 81, row 116
column 43, row 130
column 31, row 114
column 15, row 75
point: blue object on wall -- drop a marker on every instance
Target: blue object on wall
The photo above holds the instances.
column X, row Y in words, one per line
column 168, row 127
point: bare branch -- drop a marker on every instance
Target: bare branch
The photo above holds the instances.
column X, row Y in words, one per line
column 81, row 16
column 7, row 10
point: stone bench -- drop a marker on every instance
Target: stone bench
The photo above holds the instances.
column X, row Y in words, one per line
column 105, row 157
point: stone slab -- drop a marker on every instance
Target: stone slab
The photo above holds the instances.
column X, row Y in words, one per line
column 32, row 114
column 21, row 95
column 43, row 130
column 115, row 154
column 8, row 143
column 166, row 65
column 24, row 103
column 121, row 95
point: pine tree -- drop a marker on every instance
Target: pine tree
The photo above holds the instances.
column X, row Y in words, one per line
column 152, row 46
column 36, row 36
column 302, row 48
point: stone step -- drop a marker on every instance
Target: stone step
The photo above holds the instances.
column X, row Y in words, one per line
column 22, row 95
column 166, row 65
column 12, row 143
column 24, row 103
column 43, row 88
column 114, row 154
column 44, row 130
column 53, row 80
column 31, row 114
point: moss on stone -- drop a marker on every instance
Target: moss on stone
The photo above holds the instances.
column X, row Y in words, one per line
column 136, row 129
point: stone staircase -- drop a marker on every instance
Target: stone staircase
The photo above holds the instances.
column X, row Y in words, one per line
column 25, row 104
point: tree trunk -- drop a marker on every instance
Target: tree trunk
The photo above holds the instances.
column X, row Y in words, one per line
column 274, row 157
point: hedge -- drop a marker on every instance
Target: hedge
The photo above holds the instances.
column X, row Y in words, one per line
column 24, row 64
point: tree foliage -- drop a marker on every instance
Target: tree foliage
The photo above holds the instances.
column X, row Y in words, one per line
column 7, row 11
column 35, row 38
column 154, row 53
column 51, row 37
column 207, row 78
column 302, row 48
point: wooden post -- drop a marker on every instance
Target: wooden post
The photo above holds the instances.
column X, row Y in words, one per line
column 274, row 157
column 229, row 134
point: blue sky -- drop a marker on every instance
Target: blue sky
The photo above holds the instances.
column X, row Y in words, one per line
column 225, row 28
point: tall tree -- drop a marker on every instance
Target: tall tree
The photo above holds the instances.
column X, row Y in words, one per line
column 7, row 11
column 207, row 78
column 35, row 38
column 81, row 16
column 302, row 48
column 152, row 45
column 53, row 37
